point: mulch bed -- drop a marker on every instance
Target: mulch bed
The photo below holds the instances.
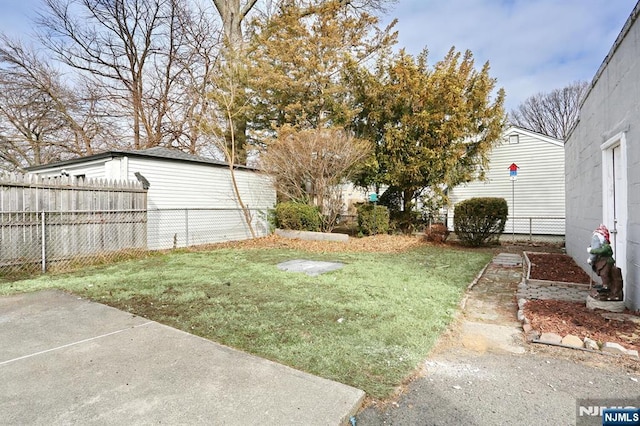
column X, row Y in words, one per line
column 556, row 267
column 373, row 244
column 562, row 318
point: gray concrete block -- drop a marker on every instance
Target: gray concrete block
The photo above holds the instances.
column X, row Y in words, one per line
column 312, row 236
column 309, row 267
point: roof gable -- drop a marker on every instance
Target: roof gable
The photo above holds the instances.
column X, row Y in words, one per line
column 511, row 130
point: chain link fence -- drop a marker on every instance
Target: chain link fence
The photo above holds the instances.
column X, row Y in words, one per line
column 32, row 242
column 525, row 229
column 535, row 229
column 65, row 223
column 41, row 241
column 174, row 228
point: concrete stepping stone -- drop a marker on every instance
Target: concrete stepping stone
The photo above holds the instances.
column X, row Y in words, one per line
column 508, row 259
column 310, row 267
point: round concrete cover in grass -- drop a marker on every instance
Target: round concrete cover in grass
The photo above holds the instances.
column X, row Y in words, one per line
column 309, row 267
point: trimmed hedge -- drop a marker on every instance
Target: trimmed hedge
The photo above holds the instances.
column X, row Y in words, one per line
column 297, row 216
column 373, row 221
column 478, row 221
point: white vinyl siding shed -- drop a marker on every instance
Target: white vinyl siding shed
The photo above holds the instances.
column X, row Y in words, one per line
column 537, row 197
column 190, row 199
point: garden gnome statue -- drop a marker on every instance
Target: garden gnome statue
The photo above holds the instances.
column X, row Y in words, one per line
column 603, row 264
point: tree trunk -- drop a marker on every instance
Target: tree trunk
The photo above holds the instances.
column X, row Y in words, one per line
column 232, row 14
column 407, row 198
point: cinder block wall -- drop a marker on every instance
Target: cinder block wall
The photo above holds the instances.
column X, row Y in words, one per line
column 611, row 107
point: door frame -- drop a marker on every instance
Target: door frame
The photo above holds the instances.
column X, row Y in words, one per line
column 616, row 193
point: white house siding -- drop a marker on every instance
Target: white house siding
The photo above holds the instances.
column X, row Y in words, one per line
column 188, row 202
column 538, row 193
column 92, row 169
column 352, row 195
column 175, row 184
column 611, row 110
column 213, row 213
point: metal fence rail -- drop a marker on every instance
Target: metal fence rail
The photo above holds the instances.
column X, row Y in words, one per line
column 551, row 229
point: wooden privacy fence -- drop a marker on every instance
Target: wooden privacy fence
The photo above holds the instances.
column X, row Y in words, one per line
column 45, row 221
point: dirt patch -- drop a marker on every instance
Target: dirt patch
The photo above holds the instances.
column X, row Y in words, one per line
column 562, row 318
column 556, row 267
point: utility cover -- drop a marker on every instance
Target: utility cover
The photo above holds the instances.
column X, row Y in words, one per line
column 309, row 267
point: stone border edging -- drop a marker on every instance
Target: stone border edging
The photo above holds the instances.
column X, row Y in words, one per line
column 570, row 341
column 560, row 345
column 463, row 302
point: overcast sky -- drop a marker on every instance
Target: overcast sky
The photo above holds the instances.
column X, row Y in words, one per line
column 532, row 45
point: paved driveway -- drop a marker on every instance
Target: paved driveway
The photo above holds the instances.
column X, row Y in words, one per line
column 66, row 360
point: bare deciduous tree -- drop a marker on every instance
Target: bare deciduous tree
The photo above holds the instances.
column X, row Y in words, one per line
column 131, row 51
column 42, row 117
column 200, row 63
column 233, row 13
column 218, row 123
column 553, row 113
column 310, row 165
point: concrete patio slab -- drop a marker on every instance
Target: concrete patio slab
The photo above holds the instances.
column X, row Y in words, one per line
column 65, row 360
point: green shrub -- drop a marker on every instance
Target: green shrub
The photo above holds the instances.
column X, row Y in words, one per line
column 373, row 220
column 297, row 216
column 478, row 221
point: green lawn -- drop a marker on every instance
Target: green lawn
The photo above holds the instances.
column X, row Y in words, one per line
column 367, row 325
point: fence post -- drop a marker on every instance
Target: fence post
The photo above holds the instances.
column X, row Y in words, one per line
column 44, row 248
column 186, row 226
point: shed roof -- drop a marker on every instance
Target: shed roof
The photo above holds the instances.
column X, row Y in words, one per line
column 155, row 153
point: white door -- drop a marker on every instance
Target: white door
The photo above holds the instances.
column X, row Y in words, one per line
column 615, row 198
